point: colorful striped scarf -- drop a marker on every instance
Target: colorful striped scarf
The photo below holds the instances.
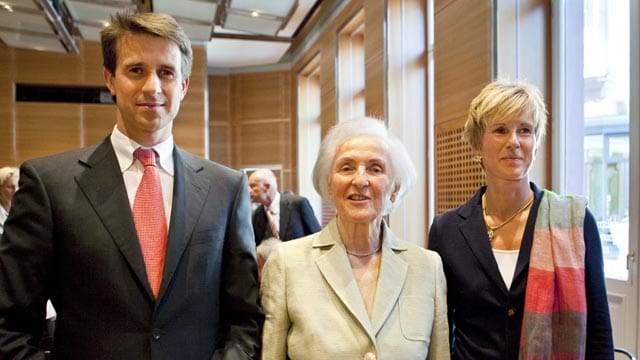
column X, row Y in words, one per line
column 555, row 309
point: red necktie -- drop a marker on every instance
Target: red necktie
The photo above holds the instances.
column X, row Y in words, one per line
column 272, row 223
column 149, row 218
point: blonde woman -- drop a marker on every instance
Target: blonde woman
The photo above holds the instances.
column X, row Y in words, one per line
column 9, row 177
column 523, row 265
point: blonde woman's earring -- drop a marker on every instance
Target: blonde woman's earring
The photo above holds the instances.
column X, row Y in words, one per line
column 477, row 159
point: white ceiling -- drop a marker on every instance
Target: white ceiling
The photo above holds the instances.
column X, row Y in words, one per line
column 236, row 33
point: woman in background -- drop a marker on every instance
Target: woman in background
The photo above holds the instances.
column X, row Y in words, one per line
column 354, row 290
column 9, row 177
column 523, row 265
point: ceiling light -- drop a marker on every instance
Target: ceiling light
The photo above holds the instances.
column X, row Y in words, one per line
column 257, row 16
column 280, row 8
column 61, row 30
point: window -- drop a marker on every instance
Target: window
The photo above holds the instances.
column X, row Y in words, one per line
column 351, row 68
column 606, row 126
column 309, row 135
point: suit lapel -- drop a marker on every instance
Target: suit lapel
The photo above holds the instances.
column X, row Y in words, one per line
column 285, row 215
column 188, row 188
column 391, row 279
column 334, row 266
column 474, row 231
column 104, row 188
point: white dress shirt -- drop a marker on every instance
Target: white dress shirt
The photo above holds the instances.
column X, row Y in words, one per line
column 132, row 169
column 274, row 210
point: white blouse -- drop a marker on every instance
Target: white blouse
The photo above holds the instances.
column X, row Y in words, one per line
column 507, row 260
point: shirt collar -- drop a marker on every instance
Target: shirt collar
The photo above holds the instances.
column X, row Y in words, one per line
column 124, row 147
column 275, row 204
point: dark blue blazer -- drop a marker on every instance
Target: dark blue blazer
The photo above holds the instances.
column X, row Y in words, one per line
column 485, row 316
column 296, row 219
column 70, row 237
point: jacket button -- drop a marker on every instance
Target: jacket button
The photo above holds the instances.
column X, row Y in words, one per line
column 156, row 334
column 369, row 356
column 511, row 312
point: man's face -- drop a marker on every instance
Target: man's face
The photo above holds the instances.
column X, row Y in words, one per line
column 258, row 190
column 148, row 86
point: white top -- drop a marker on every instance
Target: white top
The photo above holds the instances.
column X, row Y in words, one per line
column 507, row 260
column 3, row 216
column 132, row 170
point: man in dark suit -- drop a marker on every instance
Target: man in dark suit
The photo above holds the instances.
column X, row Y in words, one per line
column 73, row 234
column 291, row 215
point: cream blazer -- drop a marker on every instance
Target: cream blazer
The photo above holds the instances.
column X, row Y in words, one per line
column 314, row 309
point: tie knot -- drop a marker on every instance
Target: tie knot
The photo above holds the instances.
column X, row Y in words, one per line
column 146, row 156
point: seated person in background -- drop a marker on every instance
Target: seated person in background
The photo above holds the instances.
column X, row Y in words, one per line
column 279, row 217
column 354, row 290
column 9, row 177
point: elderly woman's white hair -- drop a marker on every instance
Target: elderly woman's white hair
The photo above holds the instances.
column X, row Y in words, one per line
column 402, row 171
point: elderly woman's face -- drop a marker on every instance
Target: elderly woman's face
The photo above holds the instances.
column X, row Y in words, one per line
column 361, row 183
column 8, row 188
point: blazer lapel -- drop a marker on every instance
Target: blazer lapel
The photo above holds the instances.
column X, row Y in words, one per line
column 285, row 215
column 391, row 279
column 104, row 188
column 188, row 188
column 334, row 266
column 527, row 238
column 474, row 231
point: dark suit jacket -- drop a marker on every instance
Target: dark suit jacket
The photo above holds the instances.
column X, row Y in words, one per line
column 485, row 317
column 71, row 237
column 296, row 219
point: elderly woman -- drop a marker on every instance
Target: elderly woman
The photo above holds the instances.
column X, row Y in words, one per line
column 354, row 290
column 9, row 177
column 523, row 265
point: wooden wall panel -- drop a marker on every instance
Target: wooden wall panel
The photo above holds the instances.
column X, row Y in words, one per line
column 98, row 121
column 91, row 63
column 41, row 67
column 7, row 111
column 438, row 5
column 190, row 125
column 262, row 142
column 220, row 143
column 462, row 56
column 261, row 95
column 219, row 98
column 219, row 119
column 42, row 128
column 328, row 85
column 375, row 63
column 251, row 120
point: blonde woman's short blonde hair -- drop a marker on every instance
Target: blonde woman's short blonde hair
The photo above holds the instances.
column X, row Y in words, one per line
column 7, row 172
column 500, row 100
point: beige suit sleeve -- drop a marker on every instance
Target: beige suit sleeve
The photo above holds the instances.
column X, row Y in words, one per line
column 274, row 303
column 439, row 345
